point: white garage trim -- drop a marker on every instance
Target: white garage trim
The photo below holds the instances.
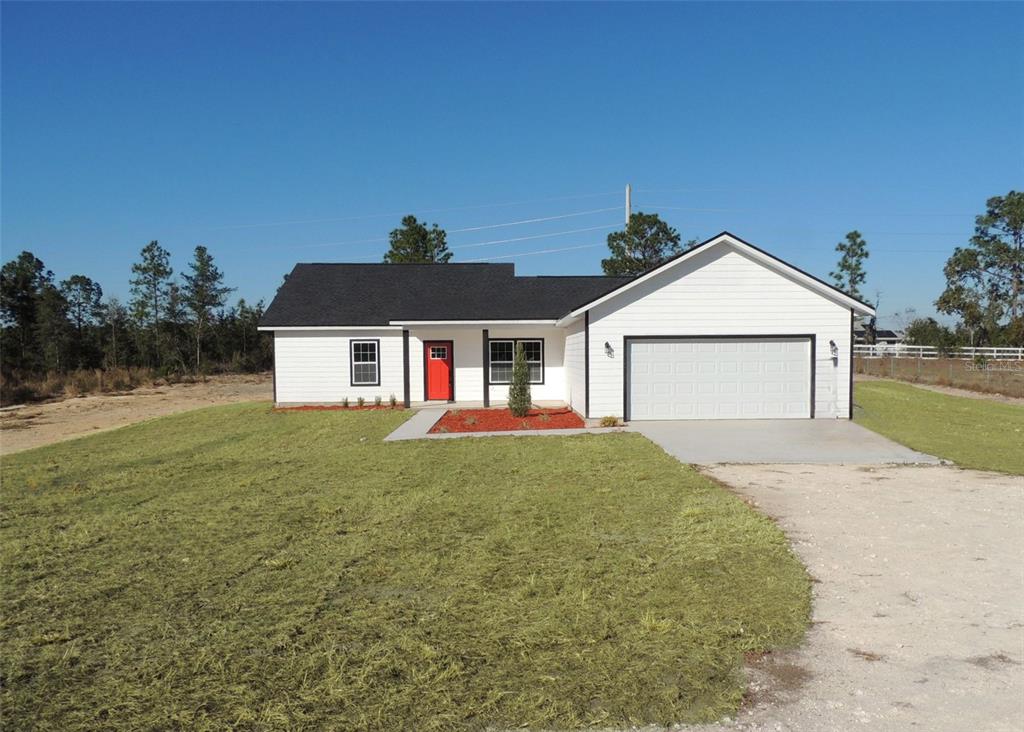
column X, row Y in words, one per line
column 627, row 341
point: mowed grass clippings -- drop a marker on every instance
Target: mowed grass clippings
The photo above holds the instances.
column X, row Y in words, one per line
column 236, row 568
column 973, row 433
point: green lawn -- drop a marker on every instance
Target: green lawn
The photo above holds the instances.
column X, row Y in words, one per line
column 238, row 568
column 973, row 433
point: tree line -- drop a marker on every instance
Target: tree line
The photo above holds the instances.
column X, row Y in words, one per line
column 174, row 326
column 168, row 325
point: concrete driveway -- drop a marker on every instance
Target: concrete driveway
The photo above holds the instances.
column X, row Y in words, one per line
column 809, row 441
column 918, row 619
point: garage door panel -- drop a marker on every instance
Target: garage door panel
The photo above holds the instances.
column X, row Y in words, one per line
column 684, row 368
column 751, row 410
column 720, row 378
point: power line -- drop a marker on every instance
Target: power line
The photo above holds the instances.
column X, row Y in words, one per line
column 414, row 210
column 334, row 243
column 706, row 210
column 762, row 210
column 530, row 254
column 461, row 246
column 535, row 236
column 695, row 190
column 534, row 221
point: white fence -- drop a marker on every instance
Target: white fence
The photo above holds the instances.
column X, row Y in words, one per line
column 899, row 350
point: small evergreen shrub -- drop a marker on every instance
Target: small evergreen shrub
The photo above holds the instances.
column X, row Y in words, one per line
column 377, row 401
column 519, row 390
column 393, row 401
column 360, row 402
column 610, row 421
column 344, row 402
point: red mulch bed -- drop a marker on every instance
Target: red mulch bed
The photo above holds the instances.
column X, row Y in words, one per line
column 501, row 420
column 335, row 408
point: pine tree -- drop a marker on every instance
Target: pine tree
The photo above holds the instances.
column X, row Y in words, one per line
column 849, row 274
column 519, row 390
column 22, row 284
column 149, row 292
column 414, row 243
column 985, row 278
column 85, row 309
column 646, row 242
column 204, row 292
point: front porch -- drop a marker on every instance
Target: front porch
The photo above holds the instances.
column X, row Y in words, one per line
column 469, row 366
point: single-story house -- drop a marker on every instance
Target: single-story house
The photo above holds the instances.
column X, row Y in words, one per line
column 883, row 336
column 722, row 331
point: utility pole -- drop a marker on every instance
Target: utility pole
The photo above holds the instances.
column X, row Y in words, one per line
column 629, row 203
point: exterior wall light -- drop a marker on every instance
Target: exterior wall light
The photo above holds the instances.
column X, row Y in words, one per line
column 608, row 350
column 833, row 349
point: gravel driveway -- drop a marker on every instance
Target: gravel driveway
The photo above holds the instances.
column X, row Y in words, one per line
column 919, row 598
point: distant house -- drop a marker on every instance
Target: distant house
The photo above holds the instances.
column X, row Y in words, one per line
column 882, row 336
column 722, row 331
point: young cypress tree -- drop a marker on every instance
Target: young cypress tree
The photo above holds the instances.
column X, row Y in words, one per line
column 519, row 389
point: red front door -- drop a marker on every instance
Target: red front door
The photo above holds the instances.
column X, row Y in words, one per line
column 438, row 357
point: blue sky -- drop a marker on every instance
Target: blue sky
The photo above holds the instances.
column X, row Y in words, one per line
column 276, row 133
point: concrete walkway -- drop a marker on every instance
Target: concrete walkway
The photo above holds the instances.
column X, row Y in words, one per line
column 814, row 441
column 418, row 427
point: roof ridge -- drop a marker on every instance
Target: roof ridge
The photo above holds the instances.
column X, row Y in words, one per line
column 578, row 276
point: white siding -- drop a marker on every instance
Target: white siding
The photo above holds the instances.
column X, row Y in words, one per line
column 575, row 375
column 312, row 366
column 719, row 292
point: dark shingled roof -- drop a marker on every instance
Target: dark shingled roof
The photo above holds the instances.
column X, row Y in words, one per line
column 373, row 294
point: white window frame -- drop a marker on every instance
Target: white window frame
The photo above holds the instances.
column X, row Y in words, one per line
column 510, row 364
column 375, row 342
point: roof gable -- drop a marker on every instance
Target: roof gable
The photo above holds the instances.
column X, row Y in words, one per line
column 759, row 255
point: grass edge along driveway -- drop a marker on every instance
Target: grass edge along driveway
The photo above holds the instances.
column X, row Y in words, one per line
column 235, row 567
column 973, row 433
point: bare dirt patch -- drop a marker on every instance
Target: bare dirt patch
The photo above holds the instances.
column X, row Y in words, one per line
column 867, row 655
column 35, row 425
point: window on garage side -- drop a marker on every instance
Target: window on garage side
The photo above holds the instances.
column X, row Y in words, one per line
column 365, row 363
column 502, row 355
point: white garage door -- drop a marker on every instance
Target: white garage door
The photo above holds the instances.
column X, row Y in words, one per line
column 719, row 378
